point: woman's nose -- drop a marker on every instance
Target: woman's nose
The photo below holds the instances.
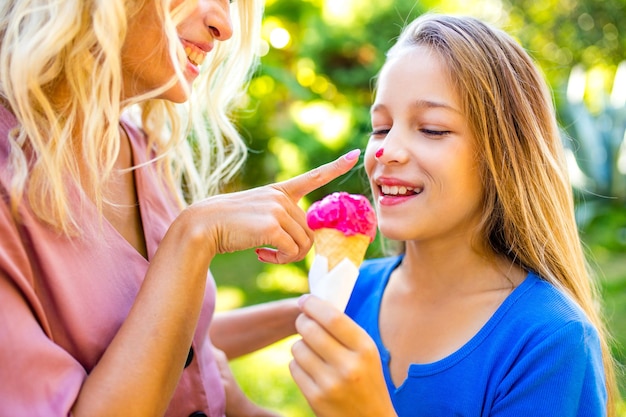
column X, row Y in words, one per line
column 217, row 18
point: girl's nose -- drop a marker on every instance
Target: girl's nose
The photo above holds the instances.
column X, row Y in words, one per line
column 392, row 149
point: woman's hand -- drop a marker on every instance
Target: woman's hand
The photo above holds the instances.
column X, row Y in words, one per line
column 337, row 365
column 266, row 216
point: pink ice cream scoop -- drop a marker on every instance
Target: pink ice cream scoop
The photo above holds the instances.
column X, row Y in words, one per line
column 351, row 214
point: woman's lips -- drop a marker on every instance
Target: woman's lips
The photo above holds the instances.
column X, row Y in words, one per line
column 196, row 52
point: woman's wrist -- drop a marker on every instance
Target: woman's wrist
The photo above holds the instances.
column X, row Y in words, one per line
column 192, row 239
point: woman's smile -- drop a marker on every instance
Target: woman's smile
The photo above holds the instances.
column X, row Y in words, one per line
column 196, row 53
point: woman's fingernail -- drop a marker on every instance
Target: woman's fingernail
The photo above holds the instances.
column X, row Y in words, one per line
column 352, row 155
column 302, row 299
column 259, row 255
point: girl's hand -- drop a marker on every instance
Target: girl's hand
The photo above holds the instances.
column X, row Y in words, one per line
column 337, row 365
column 265, row 216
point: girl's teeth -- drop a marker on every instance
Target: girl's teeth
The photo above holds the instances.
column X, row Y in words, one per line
column 396, row 190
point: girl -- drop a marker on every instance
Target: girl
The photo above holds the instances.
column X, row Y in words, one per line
column 490, row 310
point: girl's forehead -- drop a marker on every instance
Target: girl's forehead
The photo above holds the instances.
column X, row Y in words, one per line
column 415, row 76
column 417, row 63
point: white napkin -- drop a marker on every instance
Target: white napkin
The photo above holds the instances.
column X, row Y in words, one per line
column 334, row 286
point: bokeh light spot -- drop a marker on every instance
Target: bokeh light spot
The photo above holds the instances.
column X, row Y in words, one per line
column 261, row 86
column 289, row 157
column 305, row 76
column 329, row 124
column 280, row 38
column 286, row 278
column 229, row 298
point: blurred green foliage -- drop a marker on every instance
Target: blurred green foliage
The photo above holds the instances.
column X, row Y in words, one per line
column 595, row 140
column 309, row 102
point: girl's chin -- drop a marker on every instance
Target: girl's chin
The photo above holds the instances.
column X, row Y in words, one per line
column 393, row 233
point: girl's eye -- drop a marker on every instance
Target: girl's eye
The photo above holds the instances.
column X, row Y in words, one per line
column 427, row 132
column 437, row 133
column 379, row 132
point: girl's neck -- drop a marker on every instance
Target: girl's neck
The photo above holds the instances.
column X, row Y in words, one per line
column 436, row 270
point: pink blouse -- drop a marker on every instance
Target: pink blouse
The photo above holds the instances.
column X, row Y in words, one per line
column 62, row 300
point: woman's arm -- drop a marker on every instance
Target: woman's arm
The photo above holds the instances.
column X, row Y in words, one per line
column 247, row 329
column 139, row 371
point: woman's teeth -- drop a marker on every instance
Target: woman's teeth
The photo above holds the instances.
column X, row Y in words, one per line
column 396, row 190
column 195, row 57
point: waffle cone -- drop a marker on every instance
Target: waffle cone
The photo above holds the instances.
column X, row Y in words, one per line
column 335, row 246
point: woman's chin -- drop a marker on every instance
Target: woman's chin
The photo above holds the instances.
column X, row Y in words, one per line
column 176, row 94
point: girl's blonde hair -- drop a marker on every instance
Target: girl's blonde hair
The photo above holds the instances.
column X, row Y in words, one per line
column 529, row 206
column 77, row 43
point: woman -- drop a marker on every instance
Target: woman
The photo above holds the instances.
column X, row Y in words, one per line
column 105, row 297
column 490, row 310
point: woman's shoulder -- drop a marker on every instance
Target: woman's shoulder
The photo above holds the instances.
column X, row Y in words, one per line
column 133, row 129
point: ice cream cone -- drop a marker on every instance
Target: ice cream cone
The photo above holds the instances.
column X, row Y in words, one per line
column 335, row 246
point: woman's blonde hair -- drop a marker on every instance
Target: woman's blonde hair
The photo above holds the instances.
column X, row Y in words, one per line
column 529, row 206
column 78, row 43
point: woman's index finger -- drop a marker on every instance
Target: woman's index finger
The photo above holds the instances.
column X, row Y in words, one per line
column 301, row 185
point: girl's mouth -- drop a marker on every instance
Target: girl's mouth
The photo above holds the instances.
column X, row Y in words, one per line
column 399, row 190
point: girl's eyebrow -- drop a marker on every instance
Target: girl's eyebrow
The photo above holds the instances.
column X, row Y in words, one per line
column 419, row 104
column 430, row 104
column 377, row 107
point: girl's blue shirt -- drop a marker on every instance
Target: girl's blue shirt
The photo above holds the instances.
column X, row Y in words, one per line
column 538, row 355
